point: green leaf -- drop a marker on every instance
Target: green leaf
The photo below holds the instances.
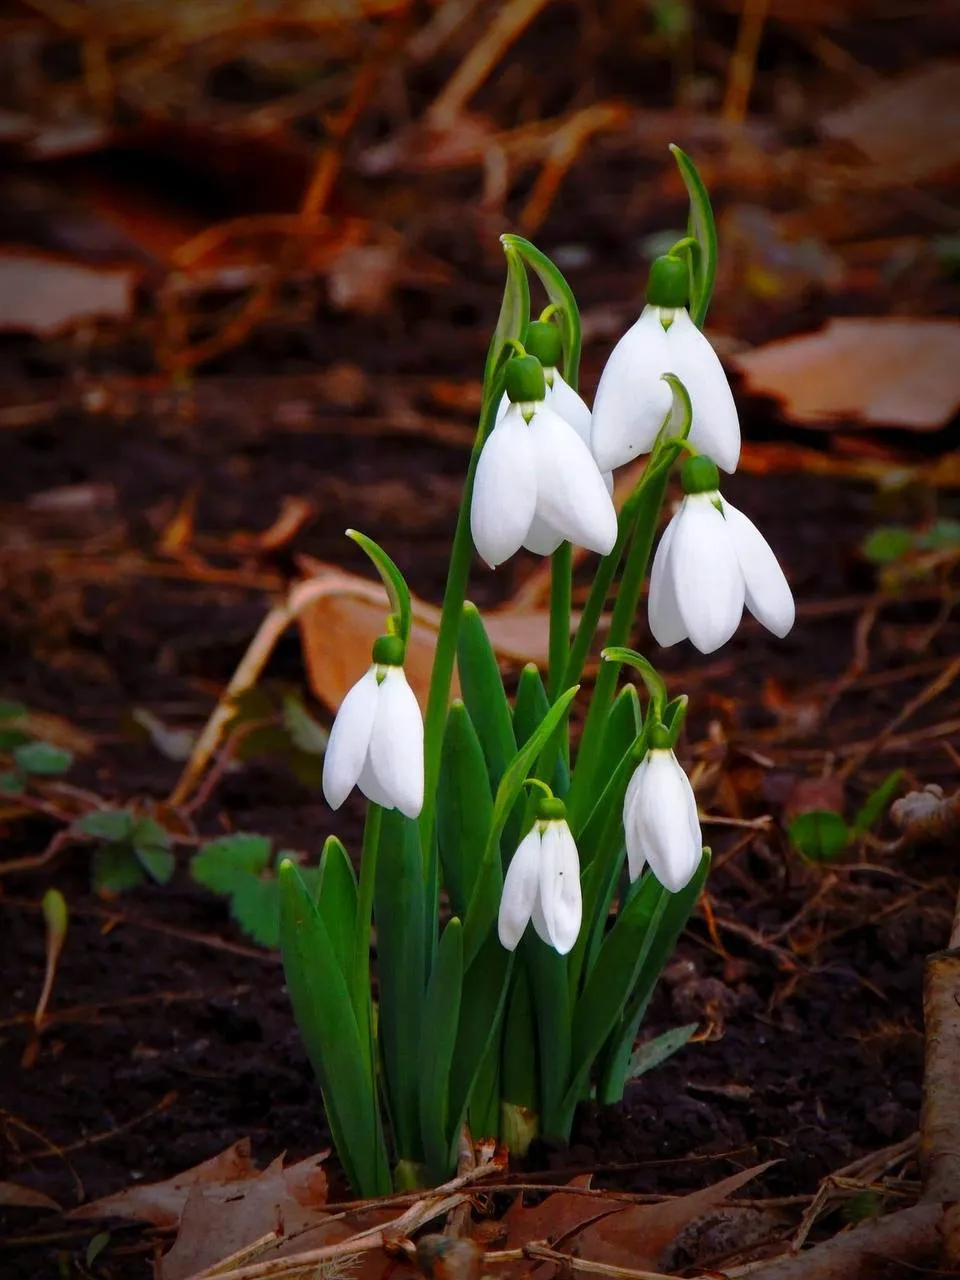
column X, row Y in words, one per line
column 651, row 677
column 401, row 968
column 561, row 295
column 10, row 710
column 305, row 734
column 483, row 694
column 876, row 804
column 551, row 1002
column 43, row 759
column 464, row 806
column 324, row 1013
column 152, row 846
column 703, row 263
column 530, row 706
column 96, row 1247
column 394, row 581
column 222, row 864
column 10, row 739
column 255, row 906
column 513, row 318
column 484, row 900
column 12, row 784
column 819, row 836
column 888, row 543
column 653, row 1053
column 943, row 535
column 113, row 825
column 518, row 1074
column 116, row 869
column 441, row 1017
column 623, row 727
column 336, row 900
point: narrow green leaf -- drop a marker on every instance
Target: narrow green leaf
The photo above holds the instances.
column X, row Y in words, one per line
column 653, row 1053
column 441, row 1017
column 464, row 806
column 551, row 1002
column 702, row 226
column 561, row 295
column 394, row 581
column 483, row 694
column 324, row 1013
column 42, row 759
column 220, row 863
column 519, row 1077
column 613, row 770
column 530, row 706
column 152, row 845
column 513, row 318
column 112, row 825
column 876, row 804
column 615, row 1057
column 337, row 902
column 819, row 836
column 401, row 968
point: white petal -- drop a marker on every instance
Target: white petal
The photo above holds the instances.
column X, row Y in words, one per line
column 633, row 836
column 350, row 740
column 662, row 813
column 542, row 539
column 570, row 405
column 663, row 612
column 706, row 574
column 504, row 490
column 716, row 428
column 768, row 593
column 571, row 495
column 521, row 885
column 502, row 408
column 560, row 886
column 396, row 744
column 632, row 400
column 369, row 784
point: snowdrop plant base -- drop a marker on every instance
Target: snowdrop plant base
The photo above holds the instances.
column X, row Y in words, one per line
column 481, row 1024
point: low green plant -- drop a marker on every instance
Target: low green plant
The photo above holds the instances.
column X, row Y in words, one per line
column 823, row 835
column 131, row 848
column 242, row 869
column 29, row 756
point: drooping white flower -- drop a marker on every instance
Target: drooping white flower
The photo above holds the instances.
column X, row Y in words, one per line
column 376, row 743
column 633, row 400
column 712, row 560
column 537, row 484
column 660, row 821
column 542, row 884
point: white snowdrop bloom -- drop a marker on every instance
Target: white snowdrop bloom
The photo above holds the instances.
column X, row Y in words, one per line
column 712, row 560
column 542, row 884
column 660, row 821
column 376, row 743
column 536, row 482
column 633, row 400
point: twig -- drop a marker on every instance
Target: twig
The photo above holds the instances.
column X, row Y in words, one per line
column 570, row 1263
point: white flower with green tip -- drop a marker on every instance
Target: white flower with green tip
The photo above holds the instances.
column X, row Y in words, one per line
column 542, row 884
column 660, row 821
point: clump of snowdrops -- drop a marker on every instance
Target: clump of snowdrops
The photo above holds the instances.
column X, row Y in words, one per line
column 502, row 1014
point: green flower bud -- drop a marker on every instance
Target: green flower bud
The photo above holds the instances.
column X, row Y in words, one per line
column 543, row 341
column 669, row 282
column 524, row 381
column 388, row 651
column 699, row 475
column 658, row 738
column 550, row 809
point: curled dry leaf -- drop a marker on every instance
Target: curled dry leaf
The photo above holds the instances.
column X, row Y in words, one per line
column 46, row 295
column 13, row 1194
column 339, row 627
column 888, row 372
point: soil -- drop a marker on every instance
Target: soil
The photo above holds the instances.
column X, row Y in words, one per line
column 169, row 1033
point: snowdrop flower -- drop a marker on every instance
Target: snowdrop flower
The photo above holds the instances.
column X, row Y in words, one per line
column 712, row 561
column 536, row 482
column 542, row 884
column 376, row 742
column 660, row 819
column 633, row 400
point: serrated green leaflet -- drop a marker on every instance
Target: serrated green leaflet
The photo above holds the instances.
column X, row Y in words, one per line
column 220, row 862
column 394, row 582
column 325, row 1016
column 703, row 262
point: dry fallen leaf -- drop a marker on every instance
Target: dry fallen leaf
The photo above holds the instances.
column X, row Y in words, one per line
column 551, row 1221
column 892, row 372
column 908, row 129
column 45, row 295
column 338, row 629
column 11, row 1193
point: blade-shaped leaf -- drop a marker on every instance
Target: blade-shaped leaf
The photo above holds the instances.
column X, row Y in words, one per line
column 624, row 724
column 561, row 295
column 464, row 806
column 530, row 706
column 401, row 968
column 514, row 314
column 441, row 1017
column 324, row 1013
column 876, row 804
column 394, row 581
column 483, row 694
column 702, row 226
column 551, row 1002
column 337, row 902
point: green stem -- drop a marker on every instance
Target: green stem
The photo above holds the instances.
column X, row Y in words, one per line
column 561, row 593
column 652, row 488
column 364, row 921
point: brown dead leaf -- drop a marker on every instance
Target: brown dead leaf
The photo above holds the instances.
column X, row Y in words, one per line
column 815, row 795
column 221, row 1220
column 46, row 295
column 637, row 1236
column 907, row 129
column 162, row 1203
column 551, row 1221
column 890, row 372
column 11, row 1193
column 338, row 629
